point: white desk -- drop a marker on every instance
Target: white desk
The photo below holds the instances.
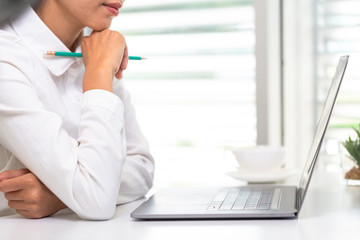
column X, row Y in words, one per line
column 331, row 211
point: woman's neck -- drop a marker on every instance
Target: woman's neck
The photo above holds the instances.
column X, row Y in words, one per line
column 61, row 23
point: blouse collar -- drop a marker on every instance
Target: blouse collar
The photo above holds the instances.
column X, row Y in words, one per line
column 39, row 39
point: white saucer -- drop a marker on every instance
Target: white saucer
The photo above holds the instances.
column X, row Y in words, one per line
column 275, row 176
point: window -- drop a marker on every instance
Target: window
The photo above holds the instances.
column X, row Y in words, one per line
column 338, row 33
column 196, row 93
column 316, row 34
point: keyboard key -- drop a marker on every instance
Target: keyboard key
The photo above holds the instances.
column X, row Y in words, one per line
column 250, row 207
column 238, row 207
column 263, row 206
column 220, row 196
column 236, row 199
column 226, row 206
column 266, row 198
column 214, row 206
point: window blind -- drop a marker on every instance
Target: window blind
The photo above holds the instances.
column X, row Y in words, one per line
column 197, row 88
column 338, row 33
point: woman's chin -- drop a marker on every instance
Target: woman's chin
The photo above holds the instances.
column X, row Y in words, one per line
column 99, row 26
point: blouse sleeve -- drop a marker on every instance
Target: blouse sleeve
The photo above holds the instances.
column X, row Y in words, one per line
column 138, row 170
column 85, row 173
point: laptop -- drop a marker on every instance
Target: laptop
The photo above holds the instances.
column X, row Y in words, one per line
column 251, row 201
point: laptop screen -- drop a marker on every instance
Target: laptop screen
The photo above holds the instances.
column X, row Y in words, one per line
column 321, row 129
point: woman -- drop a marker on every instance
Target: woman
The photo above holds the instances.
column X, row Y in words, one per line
column 68, row 133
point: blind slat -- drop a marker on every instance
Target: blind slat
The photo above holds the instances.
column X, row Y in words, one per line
column 197, row 87
column 338, row 34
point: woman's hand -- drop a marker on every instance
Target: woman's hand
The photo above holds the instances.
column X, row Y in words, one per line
column 105, row 55
column 27, row 195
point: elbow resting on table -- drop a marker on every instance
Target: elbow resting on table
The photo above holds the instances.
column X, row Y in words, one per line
column 97, row 213
column 99, row 201
column 94, row 198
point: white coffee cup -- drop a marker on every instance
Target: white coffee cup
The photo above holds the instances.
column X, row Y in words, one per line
column 260, row 159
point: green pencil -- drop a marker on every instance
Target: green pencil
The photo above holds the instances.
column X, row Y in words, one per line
column 73, row 54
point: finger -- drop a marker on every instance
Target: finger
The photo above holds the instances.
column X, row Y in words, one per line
column 18, row 205
column 15, row 195
column 24, row 213
column 30, row 214
column 125, row 59
column 17, row 183
column 119, row 74
column 13, row 173
column 10, row 185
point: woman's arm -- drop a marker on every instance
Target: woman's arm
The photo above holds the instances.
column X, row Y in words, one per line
column 138, row 170
column 85, row 172
column 28, row 196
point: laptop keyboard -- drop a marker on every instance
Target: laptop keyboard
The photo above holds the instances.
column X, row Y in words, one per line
column 246, row 199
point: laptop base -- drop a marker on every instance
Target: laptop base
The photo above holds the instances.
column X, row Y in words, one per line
column 201, row 203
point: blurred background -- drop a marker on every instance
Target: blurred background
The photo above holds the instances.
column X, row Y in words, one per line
column 231, row 73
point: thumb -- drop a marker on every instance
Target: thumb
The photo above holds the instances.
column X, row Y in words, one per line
column 118, row 75
column 13, row 173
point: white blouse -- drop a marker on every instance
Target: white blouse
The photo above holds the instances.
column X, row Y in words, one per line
column 87, row 148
